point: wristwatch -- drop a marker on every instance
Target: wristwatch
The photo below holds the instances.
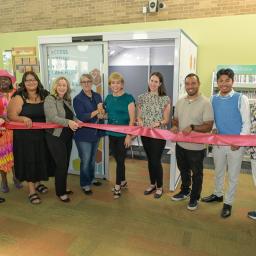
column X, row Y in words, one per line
column 192, row 127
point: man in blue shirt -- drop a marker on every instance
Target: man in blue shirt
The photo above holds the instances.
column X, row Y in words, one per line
column 231, row 116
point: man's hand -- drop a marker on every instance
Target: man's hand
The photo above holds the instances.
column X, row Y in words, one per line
column 234, row 147
column 187, row 130
column 174, row 129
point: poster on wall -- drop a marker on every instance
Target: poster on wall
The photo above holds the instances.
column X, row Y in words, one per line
column 188, row 59
column 24, row 59
column 71, row 61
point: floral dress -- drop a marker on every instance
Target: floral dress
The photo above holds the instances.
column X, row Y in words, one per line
column 6, row 136
column 252, row 150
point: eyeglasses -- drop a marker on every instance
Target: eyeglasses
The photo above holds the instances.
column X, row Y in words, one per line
column 31, row 80
column 86, row 82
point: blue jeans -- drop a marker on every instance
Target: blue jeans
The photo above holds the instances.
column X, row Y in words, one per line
column 87, row 154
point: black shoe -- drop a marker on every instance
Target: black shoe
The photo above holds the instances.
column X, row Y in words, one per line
column 2, row 200
column 149, row 190
column 226, row 210
column 87, row 192
column 252, row 215
column 97, row 183
column 212, row 198
column 180, row 196
column 192, row 205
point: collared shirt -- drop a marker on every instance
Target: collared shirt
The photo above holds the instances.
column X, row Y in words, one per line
column 84, row 106
column 196, row 112
column 244, row 108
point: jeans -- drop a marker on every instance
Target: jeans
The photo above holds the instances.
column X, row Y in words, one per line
column 154, row 149
column 187, row 161
column 87, row 154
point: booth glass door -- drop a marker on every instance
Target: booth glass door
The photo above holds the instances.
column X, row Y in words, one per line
column 71, row 61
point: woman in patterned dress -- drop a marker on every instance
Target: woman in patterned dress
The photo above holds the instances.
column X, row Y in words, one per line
column 154, row 112
column 6, row 136
column 252, row 152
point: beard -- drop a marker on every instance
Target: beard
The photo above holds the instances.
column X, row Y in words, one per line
column 193, row 93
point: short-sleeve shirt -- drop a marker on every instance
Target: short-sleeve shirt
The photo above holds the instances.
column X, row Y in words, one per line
column 117, row 110
column 152, row 108
column 194, row 112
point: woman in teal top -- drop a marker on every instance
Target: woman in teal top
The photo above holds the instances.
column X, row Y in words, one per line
column 120, row 109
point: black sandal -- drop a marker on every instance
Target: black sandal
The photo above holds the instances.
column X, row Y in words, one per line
column 124, row 185
column 41, row 188
column 158, row 195
column 117, row 193
column 149, row 190
column 34, row 198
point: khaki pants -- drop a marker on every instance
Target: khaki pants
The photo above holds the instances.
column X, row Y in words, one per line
column 226, row 159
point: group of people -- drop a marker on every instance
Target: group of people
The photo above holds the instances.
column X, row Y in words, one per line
column 227, row 112
column 38, row 154
column 42, row 153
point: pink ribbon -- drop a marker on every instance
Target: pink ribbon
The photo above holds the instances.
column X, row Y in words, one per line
column 193, row 137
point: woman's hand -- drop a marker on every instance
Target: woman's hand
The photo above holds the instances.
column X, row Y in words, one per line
column 27, row 121
column 174, row 129
column 156, row 124
column 139, row 122
column 127, row 141
column 101, row 111
column 2, row 121
column 100, row 107
column 73, row 125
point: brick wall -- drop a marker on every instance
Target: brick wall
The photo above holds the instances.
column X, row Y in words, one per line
column 27, row 15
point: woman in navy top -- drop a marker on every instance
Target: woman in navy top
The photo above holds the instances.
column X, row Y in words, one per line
column 88, row 107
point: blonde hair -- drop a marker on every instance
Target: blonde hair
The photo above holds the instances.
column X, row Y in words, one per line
column 67, row 95
column 115, row 76
column 88, row 76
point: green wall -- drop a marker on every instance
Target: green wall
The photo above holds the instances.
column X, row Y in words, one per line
column 221, row 40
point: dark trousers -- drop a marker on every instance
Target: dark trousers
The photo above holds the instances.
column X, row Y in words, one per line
column 60, row 151
column 187, row 161
column 154, row 149
column 119, row 152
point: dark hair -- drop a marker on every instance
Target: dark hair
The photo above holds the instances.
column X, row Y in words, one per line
column 226, row 71
column 22, row 91
column 161, row 88
column 193, row 75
